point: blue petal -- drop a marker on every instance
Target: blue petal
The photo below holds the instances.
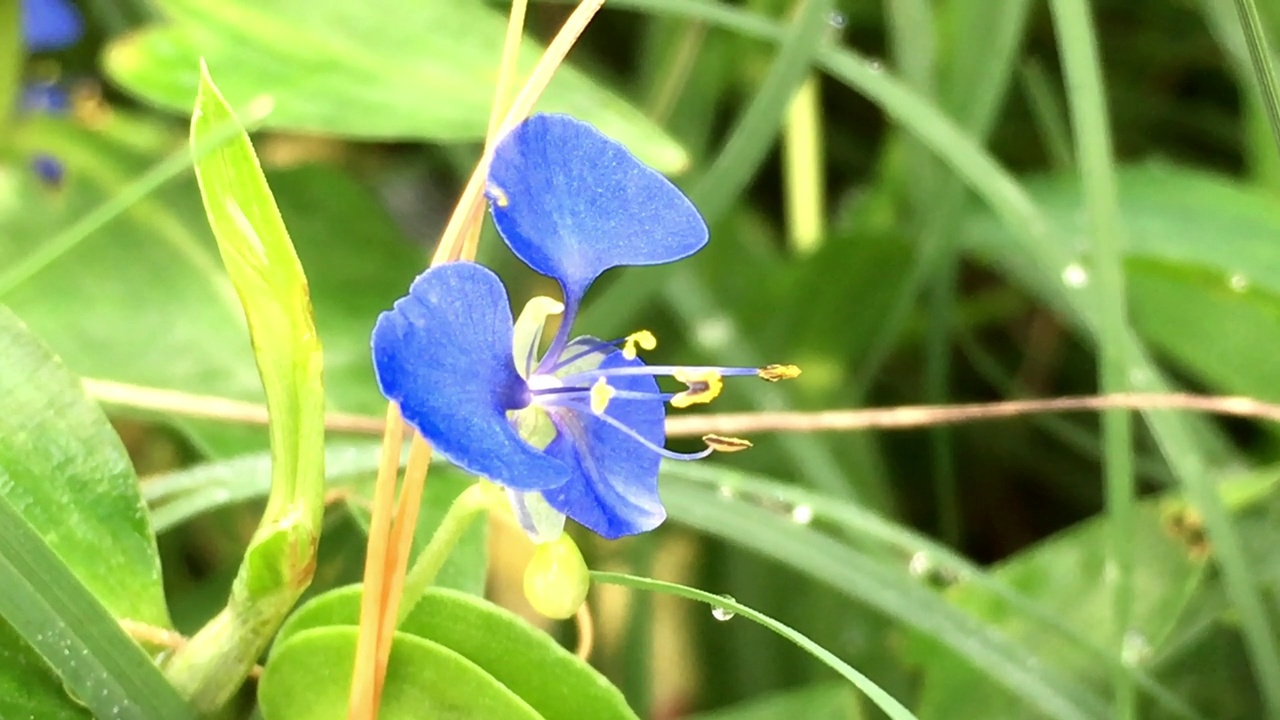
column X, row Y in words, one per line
column 50, row 24
column 614, row 487
column 573, row 203
column 443, row 353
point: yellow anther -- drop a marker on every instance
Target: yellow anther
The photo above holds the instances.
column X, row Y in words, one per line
column 499, row 196
column 721, row 443
column 643, row 338
column 774, row 373
column 704, row 386
column 601, row 393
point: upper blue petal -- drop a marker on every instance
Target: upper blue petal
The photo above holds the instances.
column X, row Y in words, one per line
column 573, row 203
column 50, row 24
column 443, row 353
column 613, row 490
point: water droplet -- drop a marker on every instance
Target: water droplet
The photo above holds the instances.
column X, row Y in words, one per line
column 722, row 613
column 802, row 514
column 1134, row 649
column 727, row 492
column 1238, row 282
column 919, row 565
column 837, row 20
column 1075, row 276
column 876, row 65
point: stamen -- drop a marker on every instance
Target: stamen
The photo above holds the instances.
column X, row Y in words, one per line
column 601, row 393
column 671, row 454
column 774, row 373
column 551, row 395
column 704, row 386
column 643, row 338
column 721, row 443
column 583, row 349
column 587, row 376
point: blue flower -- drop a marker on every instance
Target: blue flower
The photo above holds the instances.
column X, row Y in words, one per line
column 580, row 430
column 50, row 24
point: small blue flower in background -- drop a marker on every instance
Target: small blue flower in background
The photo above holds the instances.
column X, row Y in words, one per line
column 580, row 431
column 50, row 24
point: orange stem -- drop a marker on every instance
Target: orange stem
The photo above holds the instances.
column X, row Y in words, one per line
column 364, row 687
column 400, row 550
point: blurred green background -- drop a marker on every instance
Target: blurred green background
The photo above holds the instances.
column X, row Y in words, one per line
column 896, row 200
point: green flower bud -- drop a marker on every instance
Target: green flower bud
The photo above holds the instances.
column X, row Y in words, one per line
column 556, row 580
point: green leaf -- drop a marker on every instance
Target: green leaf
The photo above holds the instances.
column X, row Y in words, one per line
column 309, row 678
column 390, row 70
column 159, row 264
column 64, row 469
column 268, row 278
column 1061, row 575
column 68, row 492
column 265, row 271
column 552, row 680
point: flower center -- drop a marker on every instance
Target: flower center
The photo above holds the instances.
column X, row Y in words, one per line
column 574, row 380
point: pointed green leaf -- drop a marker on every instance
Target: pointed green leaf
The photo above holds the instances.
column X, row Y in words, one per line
column 266, row 273
column 76, row 550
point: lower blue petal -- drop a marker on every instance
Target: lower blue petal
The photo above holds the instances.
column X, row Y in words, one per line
column 50, row 24
column 613, row 490
column 443, row 354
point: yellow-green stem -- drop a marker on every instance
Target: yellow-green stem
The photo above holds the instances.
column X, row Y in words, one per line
column 472, row 503
column 802, row 146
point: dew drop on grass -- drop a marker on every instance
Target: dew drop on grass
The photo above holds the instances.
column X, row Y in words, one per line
column 919, row 565
column 1135, row 649
column 1238, row 282
column 837, row 20
column 1075, row 276
column 722, row 613
column 802, row 514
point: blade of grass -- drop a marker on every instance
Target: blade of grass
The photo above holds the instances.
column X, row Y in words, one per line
column 913, row 41
column 893, row 593
column 1048, row 114
column 882, row 699
column 1260, row 57
column 861, row 524
column 74, row 633
column 1086, row 100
